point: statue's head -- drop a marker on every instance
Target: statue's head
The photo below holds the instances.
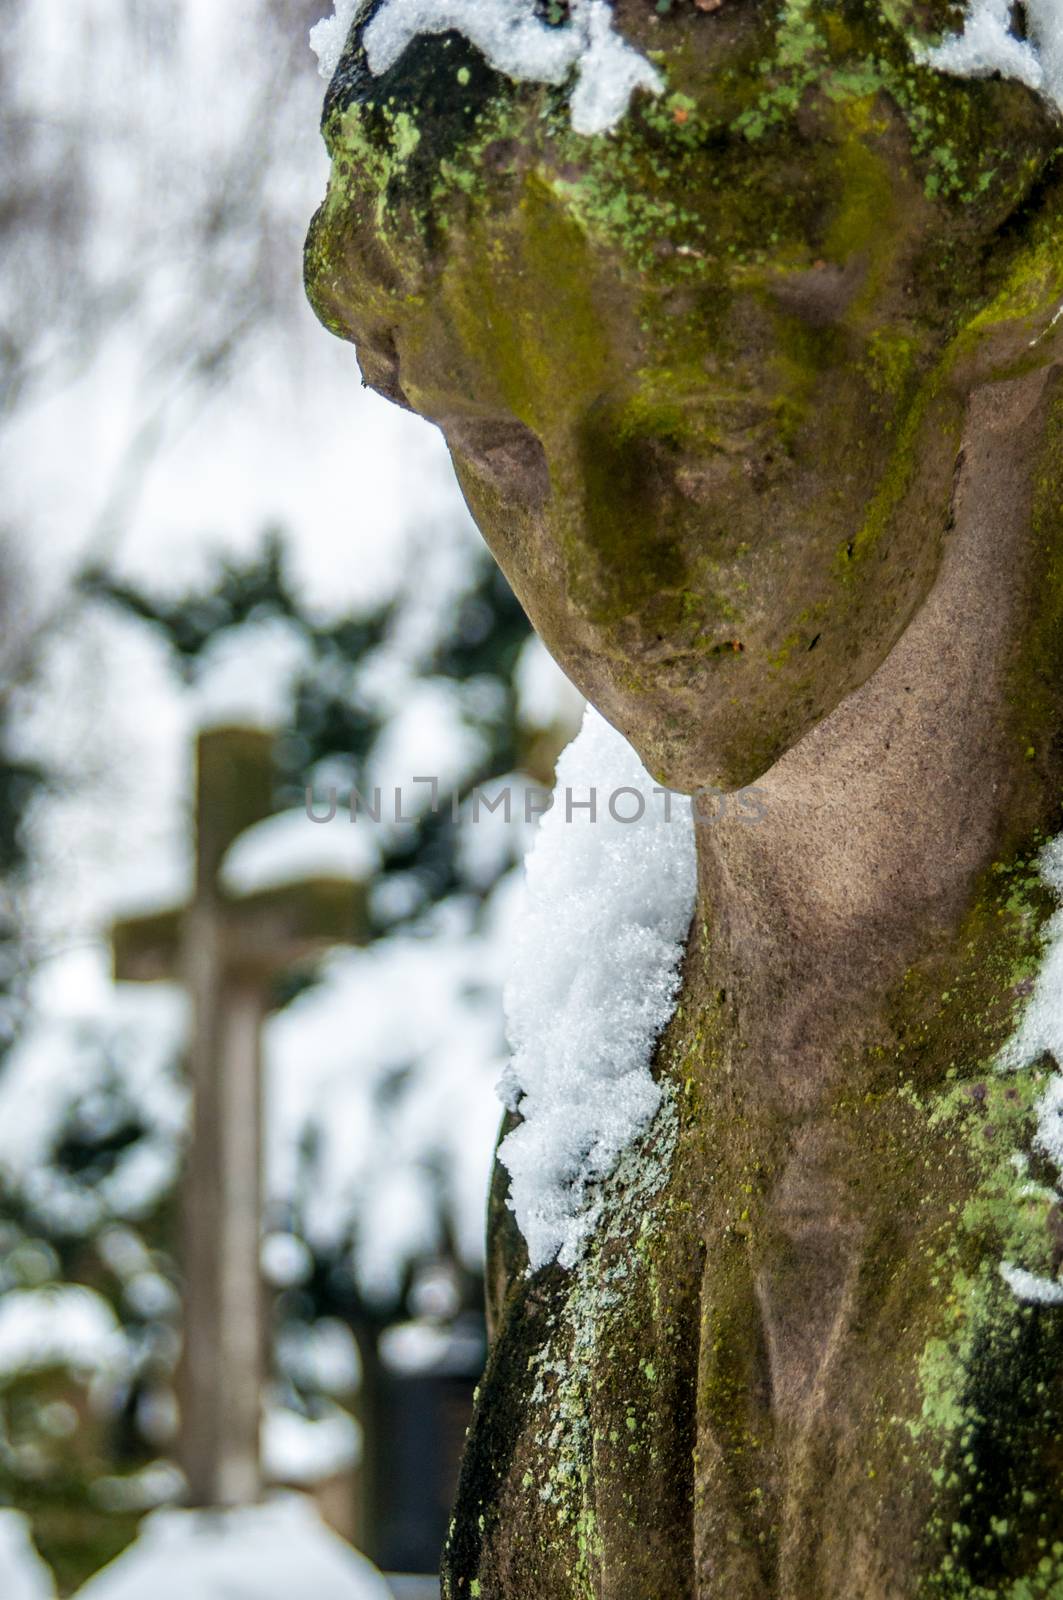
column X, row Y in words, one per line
column 703, row 374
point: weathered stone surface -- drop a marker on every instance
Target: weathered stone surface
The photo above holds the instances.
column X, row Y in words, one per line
column 793, row 1370
column 756, row 401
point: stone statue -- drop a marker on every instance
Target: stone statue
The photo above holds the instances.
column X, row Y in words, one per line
column 741, row 324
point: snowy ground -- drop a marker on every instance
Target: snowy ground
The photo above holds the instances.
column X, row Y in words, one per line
column 279, row 1549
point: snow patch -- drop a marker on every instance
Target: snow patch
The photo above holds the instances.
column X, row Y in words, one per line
column 303, row 1451
column 594, row 981
column 1027, row 1286
column 286, row 1260
column 396, row 1108
column 68, row 1327
column 515, row 41
column 328, row 37
column 289, row 848
column 278, row 1549
column 1040, row 1032
column 23, row 1575
column 88, row 1053
column 246, row 676
column 415, row 1348
column 160, row 1483
column 428, row 735
column 322, row 1357
column 988, row 45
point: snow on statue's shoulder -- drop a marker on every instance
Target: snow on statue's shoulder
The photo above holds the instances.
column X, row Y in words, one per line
column 594, row 981
column 515, row 40
column 328, row 37
column 988, row 45
column 266, row 1552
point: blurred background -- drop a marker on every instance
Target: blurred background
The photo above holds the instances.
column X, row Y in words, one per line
column 208, row 523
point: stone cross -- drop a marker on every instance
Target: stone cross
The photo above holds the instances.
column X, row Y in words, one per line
column 227, row 951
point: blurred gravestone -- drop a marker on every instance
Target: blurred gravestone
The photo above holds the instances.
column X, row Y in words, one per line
column 228, row 950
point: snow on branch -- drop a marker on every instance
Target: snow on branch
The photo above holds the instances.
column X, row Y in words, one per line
column 328, row 37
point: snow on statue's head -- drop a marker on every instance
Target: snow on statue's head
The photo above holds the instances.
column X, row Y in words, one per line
column 697, row 291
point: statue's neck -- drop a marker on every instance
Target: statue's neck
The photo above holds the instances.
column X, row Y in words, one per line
column 879, row 823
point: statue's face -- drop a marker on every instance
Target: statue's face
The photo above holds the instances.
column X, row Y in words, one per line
column 703, row 379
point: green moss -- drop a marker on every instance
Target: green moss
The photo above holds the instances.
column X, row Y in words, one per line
column 899, row 478
column 983, row 1365
column 890, row 363
column 594, row 1323
column 1035, row 685
column 547, row 353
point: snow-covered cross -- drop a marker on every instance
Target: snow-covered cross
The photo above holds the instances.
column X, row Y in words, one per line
column 227, row 950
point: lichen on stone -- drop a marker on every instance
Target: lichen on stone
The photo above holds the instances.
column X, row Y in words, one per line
column 568, row 1367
